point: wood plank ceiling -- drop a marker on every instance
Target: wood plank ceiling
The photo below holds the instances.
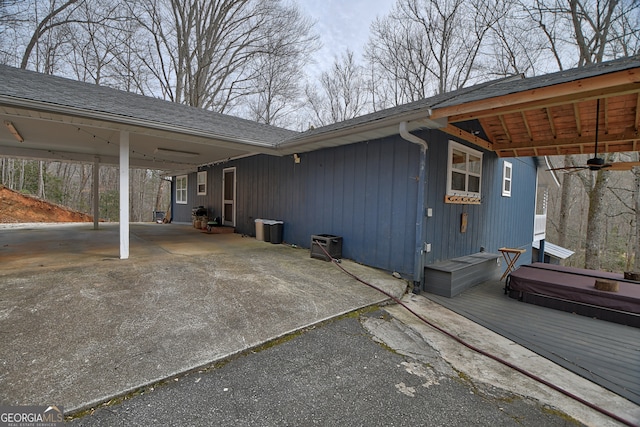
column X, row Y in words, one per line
column 556, row 120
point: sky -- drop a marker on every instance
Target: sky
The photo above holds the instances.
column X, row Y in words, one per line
column 342, row 24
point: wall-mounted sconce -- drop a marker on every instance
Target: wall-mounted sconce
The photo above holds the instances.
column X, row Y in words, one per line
column 296, row 158
column 14, row 131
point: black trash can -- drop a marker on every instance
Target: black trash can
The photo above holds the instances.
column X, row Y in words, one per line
column 276, row 230
column 266, row 229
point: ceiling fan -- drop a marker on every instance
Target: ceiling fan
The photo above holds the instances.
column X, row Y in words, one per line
column 597, row 163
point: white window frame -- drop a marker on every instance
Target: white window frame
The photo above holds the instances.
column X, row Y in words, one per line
column 182, row 186
column 466, row 171
column 202, row 183
column 507, row 179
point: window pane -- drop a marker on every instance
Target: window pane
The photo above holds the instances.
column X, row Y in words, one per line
column 507, row 186
column 228, row 185
column 459, row 160
column 475, row 163
column 474, row 184
column 181, row 189
column 457, row 181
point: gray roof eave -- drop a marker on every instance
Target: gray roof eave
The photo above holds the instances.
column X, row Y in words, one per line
column 360, row 125
column 118, row 119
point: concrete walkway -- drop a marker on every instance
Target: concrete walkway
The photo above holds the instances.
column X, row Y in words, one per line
column 79, row 326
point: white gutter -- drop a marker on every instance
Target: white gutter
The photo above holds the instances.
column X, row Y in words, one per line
column 419, row 251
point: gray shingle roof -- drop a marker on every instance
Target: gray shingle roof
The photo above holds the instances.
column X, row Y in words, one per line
column 486, row 90
column 90, row 98
column 85, row 97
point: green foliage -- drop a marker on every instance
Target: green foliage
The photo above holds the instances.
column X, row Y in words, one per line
column 110, row 205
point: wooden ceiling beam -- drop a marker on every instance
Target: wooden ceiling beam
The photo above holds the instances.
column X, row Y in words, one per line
column 606, row 116
column 467, row 136
column 505, row 128
column 529, row 151
column 576, row 113
column 625, row 138
column 551, row 123
column 638, row 112
column 518, row 102
column 527, row 126
column 488, row 131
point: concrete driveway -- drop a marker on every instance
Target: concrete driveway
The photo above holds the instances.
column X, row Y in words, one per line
column 79, row 326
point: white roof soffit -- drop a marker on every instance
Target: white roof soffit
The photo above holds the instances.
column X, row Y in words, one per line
column 81, row 135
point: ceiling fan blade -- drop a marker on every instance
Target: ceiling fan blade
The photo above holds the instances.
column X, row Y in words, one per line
column 622, row 166
column 568, row 168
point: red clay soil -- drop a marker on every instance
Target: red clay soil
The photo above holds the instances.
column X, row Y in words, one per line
column 17, row 208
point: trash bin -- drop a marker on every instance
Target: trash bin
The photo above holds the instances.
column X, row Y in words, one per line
column 158, row 216
column 259, row 229
column 331, row 244
column 276, row 229
column 267, row 229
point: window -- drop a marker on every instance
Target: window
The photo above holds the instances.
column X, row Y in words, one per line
column 464, row 171
column 202, row 183
column 507, row 169
column 181, row 189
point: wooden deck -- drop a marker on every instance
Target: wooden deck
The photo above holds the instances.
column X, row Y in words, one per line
column 605, row 353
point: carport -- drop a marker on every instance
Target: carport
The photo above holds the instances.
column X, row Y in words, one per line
column 52, row 118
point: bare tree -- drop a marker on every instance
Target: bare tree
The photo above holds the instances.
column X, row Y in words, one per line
column 56, row 16
column 276, row 82
column 97, row 42
column 204, row 49
column 342, row 94
column 427, row 47
column 636, row 205
column 399, row 56
column 513, row 46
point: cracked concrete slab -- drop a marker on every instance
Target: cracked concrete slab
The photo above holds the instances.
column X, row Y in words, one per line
column 80, row 326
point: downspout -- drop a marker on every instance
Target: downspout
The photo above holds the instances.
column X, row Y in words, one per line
column 417, row 263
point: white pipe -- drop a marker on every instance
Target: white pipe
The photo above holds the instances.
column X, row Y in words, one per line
column 417, row 264
column 405, row 134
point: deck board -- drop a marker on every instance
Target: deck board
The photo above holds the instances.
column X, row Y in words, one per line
column 606, row 353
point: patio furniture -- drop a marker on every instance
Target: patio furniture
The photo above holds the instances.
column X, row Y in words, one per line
column 510, row 256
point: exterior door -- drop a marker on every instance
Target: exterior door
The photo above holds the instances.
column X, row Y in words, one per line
column 229, row 197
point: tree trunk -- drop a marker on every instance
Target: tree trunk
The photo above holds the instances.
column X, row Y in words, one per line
column 636, row 199
column 596, row 224
column 41, row 179
column 159, row 195
column 565, row 206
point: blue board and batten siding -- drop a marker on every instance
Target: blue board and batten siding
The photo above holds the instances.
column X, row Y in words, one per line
column 366, row 193
column 496, row 222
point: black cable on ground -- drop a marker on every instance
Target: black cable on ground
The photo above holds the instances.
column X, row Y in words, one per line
column 479, row 350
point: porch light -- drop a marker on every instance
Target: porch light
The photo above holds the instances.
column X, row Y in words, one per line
column 14, row 131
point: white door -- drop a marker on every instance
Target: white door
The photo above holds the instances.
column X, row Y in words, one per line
column 229, row 197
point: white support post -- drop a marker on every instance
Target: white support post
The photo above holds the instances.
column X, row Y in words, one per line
column 124, row 194
column 96, row 192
